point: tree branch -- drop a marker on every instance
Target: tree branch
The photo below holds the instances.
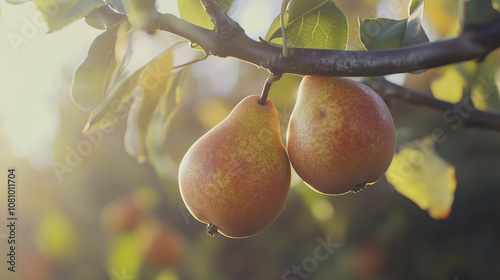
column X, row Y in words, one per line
column 473, row 43
column 471, row 116
column 224, row 26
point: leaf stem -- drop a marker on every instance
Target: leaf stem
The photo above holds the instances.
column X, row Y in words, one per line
column 284, row 5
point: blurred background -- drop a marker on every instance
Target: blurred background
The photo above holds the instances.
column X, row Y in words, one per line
column 87, row 210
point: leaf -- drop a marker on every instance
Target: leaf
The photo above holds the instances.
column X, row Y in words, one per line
column 444, row 18
column 425, row 179
column 167, row 275
column 56, row 237
column 158, row 143
column 496, row 4
column 315, row 24
column 449, row 87
column 415, row 33
column 124, row 257
column 100, row 19
column 95, row 20
column 0, row 12
column 382, row 33
column 485, row 91
column 141, row 14
column 194, row 12
column 113, row 108
column 59, row 14
column 480, row 12
column 153, row 84
column 16, row 2
column 413, row 5
column 92, row 77
column 118, row 5
column 123, row 48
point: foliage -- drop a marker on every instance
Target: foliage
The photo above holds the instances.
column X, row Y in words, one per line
column 390, row 34
column 162, row 102
column 312, row 24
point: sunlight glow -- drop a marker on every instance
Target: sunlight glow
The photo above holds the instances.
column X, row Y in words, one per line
column 33, row 80
column 256, row 19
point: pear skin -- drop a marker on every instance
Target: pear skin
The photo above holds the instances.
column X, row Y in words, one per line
column 340, row 136
column 236, row 177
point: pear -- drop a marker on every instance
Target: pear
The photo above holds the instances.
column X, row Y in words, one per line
column 340, row 136
column 236, row 177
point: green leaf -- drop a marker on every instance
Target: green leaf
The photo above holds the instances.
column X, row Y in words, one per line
column 317, row 24
column 166, row 122
column 92, row 78
column 194, row 12
column 95, row 20
column 166, row 106
column 480, row 12
column 154, row 82
column 101, row 20
column 141, row 14
column 118, row 5
column 413, row 5
column 113, row 108
column 415, row 33
column 382, row 33
column 16, row 2
column 59, row 14
column 496, row 4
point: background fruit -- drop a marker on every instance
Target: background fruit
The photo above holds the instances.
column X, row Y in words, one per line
column 340, row 134
column 237, row 175
column 125, row 212
column 162, row 245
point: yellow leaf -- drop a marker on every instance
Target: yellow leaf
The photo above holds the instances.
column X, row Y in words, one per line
column 124, row 257
column 442, row 15
column 167, row 274
column 426, row 179
column 449, row 87
column 56, row 238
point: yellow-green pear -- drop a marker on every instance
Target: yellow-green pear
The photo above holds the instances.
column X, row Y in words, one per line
column 340, row 136
column 236, row 177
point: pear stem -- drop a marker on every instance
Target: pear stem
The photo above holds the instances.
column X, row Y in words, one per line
column 212, row 229
column 267, row 86
column 359, row 187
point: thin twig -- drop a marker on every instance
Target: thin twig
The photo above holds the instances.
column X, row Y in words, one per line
column 475, row 118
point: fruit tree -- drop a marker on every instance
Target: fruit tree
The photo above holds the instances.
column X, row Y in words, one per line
column 332, row 97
